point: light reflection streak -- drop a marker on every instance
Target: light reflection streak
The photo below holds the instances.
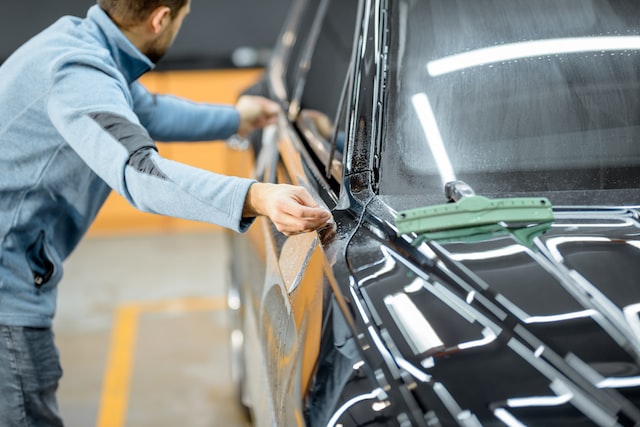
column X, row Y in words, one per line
column 468, row 419
column 415, row 328
column 529, row 49
column 496, row 253
column 613, row 382
column 415, row 372
column 389, row 265
column 461, row 307
column 527, row 402
column 288, row 38
column 365, row 33
column 464, row 417
column 597, row 379
column 384, row 351
column 610, row 316
column 560, row 317
column 356, row 300
column 555, row 242
column 535, row 401
column 631, row 315
column 429, row 124
column 447, row 399
column 617, row 218
column 416, row 286
column 539, row 351
column 600, row 415
column 560, row 385
column 428, row 363
column 489, row 337
column 470, row 297
column 349, row 403
column 553, row 318
column 425, row 250
column 617, row 224
column 380, row 406
column 454, row 302
column 506, row 417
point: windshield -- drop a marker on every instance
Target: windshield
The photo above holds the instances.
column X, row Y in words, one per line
column 514, row 98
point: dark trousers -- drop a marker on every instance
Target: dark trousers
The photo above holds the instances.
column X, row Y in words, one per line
column 29, row 375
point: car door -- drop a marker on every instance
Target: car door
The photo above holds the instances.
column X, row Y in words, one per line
column 297, row 151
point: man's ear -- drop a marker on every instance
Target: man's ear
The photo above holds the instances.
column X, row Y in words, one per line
column 159, row 19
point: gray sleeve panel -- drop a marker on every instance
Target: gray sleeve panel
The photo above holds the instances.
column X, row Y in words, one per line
column 134, row 138
column 131, row 135
column 142, row 162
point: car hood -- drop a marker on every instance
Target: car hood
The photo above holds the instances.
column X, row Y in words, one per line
column 501, row 329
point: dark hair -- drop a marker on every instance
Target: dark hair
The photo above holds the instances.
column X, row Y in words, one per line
column 131, row 12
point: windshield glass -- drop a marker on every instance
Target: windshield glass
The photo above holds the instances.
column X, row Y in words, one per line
column 516, row 98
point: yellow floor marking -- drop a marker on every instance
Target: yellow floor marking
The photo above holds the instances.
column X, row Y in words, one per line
column 115, row 384
column 117, row 377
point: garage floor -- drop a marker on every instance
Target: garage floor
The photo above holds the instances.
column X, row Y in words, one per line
column 142, row 333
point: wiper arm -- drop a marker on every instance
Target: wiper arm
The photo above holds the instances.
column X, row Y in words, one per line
column 469, row 210
column 456, row 190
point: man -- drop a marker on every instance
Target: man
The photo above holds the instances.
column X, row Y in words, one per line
column 74, row 124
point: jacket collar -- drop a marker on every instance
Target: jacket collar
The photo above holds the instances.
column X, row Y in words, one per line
column 131, row 62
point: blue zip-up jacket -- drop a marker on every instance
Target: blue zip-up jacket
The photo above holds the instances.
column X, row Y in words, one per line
column 74, row 124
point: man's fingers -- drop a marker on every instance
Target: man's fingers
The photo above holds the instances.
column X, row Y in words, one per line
column 304, row 197
column 291, row 208
column 302, row 220
column 306, row 208
column 298, row 218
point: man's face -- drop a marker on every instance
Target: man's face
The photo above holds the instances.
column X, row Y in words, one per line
column 160, row 45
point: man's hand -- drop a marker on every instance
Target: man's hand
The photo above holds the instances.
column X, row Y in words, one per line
column 290, row 208
column 256, row 112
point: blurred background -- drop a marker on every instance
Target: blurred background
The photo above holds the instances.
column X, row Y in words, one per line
column 140, row 325
column 213, row 31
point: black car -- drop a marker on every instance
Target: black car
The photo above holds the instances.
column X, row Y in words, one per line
column 481, row 159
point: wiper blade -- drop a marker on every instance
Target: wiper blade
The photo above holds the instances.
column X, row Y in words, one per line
column 474, row 211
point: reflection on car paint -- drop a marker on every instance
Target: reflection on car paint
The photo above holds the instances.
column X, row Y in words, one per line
column 517, row 321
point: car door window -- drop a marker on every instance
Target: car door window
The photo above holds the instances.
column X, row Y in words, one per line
column 324, row 81
column 299, row 46
column 330, row 60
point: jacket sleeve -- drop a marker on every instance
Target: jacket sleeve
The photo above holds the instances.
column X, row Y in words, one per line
column 169, row 118
column 92, row 111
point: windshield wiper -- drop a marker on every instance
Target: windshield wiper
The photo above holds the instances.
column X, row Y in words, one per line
column 468, row 213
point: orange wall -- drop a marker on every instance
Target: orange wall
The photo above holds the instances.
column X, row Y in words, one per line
column 218, row 86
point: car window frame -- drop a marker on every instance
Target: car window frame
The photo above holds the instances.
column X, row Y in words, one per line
column 281, row 65
column 303, row 63
column 322, row 147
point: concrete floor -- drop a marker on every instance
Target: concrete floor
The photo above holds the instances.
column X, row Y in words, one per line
column 142, row 333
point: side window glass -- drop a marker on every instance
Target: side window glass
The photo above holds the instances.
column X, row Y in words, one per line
column 324, row 84
column 299, row 45
column 330, row 60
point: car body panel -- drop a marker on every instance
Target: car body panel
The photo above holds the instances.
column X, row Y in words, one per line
column 528, row 321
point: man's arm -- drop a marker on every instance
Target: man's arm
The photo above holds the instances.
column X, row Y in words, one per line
column 91, row 112
column 170, row 118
